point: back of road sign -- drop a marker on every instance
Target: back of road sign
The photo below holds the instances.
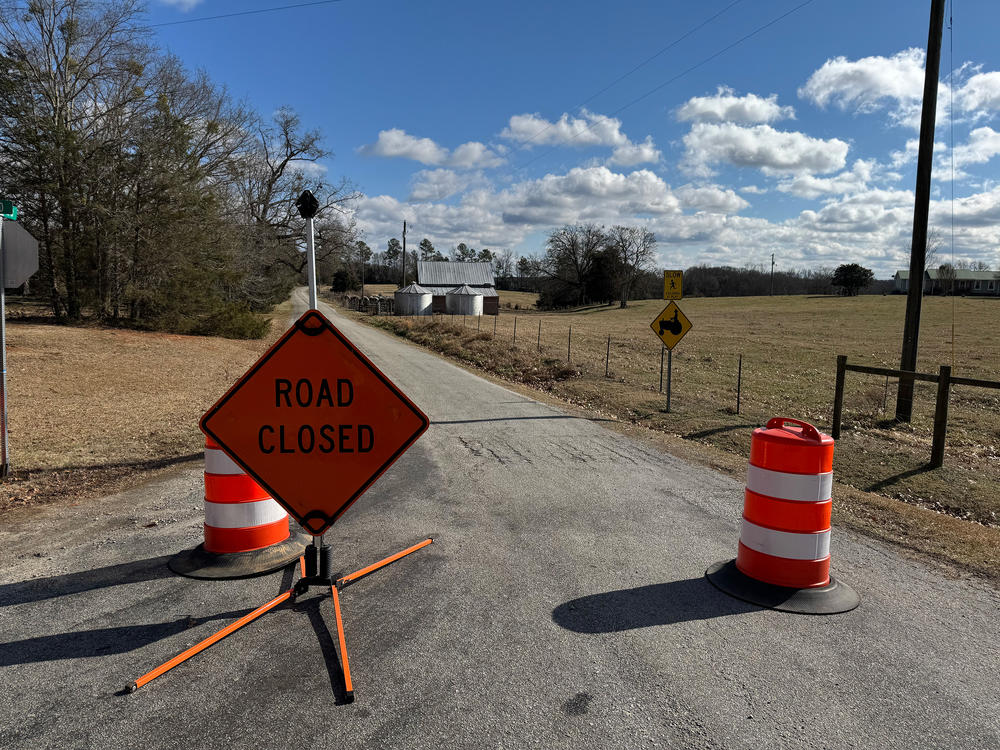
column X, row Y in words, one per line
column 314, row 422
column 20, row 254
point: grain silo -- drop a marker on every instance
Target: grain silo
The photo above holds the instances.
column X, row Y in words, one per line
column 464, row 300
column 413, row 300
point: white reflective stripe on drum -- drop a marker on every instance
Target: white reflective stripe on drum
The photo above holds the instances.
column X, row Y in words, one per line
column 242, row 515
column 785, row 543
column 217, row 462
column 808, row 488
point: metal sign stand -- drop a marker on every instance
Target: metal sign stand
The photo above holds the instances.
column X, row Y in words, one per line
column 4, row 445
column 315, row 566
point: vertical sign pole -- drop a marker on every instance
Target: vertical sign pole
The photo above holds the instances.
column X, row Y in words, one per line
column 4, row 455
column 739, row 383
column 311, row 262
column 662, row 347
column 670, row 367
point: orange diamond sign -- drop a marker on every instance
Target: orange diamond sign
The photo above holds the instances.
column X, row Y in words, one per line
column 314, row 422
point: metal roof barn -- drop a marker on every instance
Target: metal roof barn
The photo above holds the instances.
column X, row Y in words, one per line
column 437, row 273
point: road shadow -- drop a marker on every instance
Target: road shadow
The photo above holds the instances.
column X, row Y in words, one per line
column 38, row 589
column 889, row 481
column 145, row 465
column 327, row 646
column 100, row 641
column 713, row 431
column 647, row 606
column 516, row 419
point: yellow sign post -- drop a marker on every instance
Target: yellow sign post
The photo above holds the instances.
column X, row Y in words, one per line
column 671, row 325
column 672, row 281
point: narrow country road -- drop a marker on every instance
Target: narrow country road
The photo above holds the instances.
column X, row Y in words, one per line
column 563, row 604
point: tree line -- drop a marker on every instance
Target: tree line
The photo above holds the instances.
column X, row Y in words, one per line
column 157, row 199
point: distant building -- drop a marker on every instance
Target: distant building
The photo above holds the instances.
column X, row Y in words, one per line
column 970, row 283
column 440, row 277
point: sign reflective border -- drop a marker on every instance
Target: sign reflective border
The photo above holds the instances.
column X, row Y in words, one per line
column 314, row 422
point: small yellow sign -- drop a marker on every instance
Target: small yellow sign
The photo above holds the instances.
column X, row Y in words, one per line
column 672, row 281
column 671, row 325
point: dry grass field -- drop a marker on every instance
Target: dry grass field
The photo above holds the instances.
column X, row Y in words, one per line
column 789, row 347
column 94, row 409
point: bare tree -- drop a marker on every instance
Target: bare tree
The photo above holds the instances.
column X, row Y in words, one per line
column 570, row 253
column 634, row 250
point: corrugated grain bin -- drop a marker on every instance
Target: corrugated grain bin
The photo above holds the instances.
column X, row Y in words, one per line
column 413, row 300
column 464, row 300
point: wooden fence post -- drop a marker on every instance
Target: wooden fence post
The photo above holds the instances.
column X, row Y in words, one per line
column 515, row 330
column 941, row 416
column 607, row 357
column 838, row 395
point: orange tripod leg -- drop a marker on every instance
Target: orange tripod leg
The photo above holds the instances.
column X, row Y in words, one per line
column 196, row 649
column 348, row 685
column 351, row 577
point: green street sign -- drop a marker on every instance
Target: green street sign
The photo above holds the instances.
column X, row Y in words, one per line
column 8, row 210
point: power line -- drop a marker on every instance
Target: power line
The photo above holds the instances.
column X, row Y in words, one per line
column 682, row 74
column 245, row 13
column 645, row 62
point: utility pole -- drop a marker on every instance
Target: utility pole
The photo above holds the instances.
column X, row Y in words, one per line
column 921, row 208
column 772, row 274
column 404, row 255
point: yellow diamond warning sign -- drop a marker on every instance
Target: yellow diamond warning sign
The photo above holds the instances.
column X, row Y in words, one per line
column 671, row 325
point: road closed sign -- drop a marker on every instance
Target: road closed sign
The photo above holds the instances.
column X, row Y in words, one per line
column 314, row 422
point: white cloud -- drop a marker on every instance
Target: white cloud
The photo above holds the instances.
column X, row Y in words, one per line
column 474, row 155
column 980, row 92
column 635, row 153
column 726, row 106
column 761, row 147
column 809, row 186
column 983, row 145
column 182, row 5
column 397, row 143
column 309, row 169
column 870, row 84
column 752, row 189
column 438, row 184
column 710, row 198
column 587, row 194
column 589, row 130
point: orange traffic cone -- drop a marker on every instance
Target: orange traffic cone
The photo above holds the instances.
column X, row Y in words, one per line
column 246, row 531
column 783, row 560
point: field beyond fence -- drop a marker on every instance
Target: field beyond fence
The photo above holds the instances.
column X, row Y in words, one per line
column 789, row 347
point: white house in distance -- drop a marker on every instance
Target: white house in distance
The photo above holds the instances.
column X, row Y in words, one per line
column 971, row 283
column 441, row 277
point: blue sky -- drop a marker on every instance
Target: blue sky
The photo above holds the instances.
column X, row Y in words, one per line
column 465, row 119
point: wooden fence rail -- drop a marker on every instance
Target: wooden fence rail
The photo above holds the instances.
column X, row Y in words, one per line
column 944, row 382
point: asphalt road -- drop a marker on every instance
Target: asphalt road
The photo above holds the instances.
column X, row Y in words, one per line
column 563, row 604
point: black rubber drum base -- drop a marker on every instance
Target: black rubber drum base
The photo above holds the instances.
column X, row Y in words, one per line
column 832, row 599
column 200, row 563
